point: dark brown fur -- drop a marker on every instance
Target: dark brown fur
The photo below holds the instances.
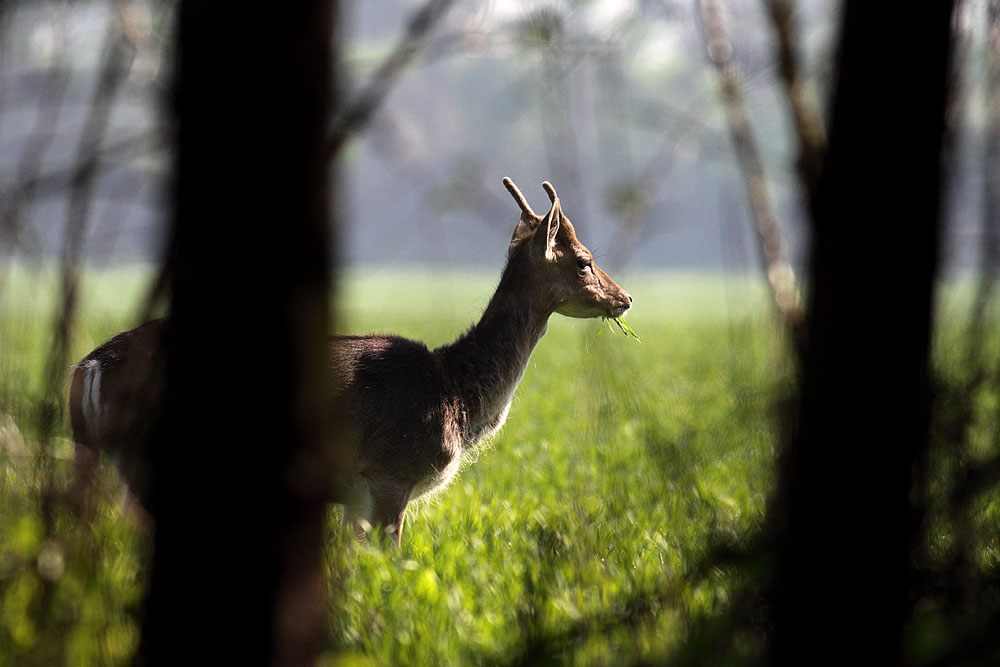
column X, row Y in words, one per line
column 131, row 368
column 409, row 414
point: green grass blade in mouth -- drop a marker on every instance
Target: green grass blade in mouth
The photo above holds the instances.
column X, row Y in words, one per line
column 624, row 326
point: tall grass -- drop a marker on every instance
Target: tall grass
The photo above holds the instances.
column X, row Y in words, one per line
column 580, row 533
column 69, row 591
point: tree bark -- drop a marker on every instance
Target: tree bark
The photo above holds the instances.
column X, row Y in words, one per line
column 241, row 467
column 845, row 522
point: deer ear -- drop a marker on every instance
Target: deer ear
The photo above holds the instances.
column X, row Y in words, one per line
column 552, row 221
column 525, row 228
column 551, row 225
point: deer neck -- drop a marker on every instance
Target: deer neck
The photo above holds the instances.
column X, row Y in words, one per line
column 486, row 363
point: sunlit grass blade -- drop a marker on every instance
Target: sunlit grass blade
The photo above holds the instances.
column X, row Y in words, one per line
column 624, row 326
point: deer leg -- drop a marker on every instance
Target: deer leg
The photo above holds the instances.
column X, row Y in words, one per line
column 81, row 491
column 355, row 518
column 85, row 458
column 399, row 525
column 357, row 507
column 389, row 500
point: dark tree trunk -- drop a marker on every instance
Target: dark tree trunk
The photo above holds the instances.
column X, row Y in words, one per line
column 241, row 473
column 845, row 521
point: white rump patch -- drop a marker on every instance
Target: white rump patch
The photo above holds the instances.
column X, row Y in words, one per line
column 92, row 397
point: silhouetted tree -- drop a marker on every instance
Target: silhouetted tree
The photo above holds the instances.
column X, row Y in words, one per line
column 844, row 513
column 241, row 473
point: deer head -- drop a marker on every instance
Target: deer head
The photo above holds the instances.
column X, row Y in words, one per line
column 562, row 268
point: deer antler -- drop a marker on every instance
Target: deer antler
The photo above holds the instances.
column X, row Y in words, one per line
column 550, row 191
column 519, row 198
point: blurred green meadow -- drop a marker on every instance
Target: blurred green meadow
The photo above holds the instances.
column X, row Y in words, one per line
column 580, row 534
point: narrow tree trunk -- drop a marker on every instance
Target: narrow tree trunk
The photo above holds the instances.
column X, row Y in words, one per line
column 845, row 521
column 240, row 473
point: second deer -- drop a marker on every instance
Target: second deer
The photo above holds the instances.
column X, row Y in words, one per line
column 411, row 414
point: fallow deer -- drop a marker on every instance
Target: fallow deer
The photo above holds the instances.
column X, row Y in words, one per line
column 410, row 414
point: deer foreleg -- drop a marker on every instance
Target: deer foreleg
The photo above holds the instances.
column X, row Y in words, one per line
column 389, row 500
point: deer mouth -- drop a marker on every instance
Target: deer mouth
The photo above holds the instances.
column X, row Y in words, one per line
column 618, row 311
column 622, row 306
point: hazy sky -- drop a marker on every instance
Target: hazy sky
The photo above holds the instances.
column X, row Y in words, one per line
column 613, row 102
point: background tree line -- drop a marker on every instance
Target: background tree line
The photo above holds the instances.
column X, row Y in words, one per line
column 877, row 450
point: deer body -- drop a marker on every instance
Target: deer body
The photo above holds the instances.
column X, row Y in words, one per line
column 417, row 412
column 409, row 414
column 112, row 394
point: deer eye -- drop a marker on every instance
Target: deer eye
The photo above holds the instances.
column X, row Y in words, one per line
column 583, row 262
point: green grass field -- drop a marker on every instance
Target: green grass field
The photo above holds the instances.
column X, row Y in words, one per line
column 580, row 533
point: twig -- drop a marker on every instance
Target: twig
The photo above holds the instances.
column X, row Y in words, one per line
column 780, row 274
column 19, row 199
column 35, row 185
column 359, row 113
column 809, row 126
column 80, row 199
column 641, row 191
column 82, row 184
column 989, row 257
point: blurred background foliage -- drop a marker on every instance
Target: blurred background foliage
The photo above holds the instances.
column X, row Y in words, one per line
column 618, row 517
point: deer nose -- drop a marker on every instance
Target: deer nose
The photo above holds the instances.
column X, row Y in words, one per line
column 628, row 297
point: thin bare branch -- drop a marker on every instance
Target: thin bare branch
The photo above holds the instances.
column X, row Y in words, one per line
column 780, row 274
column 633, row 200
column 989, row 256
column 81, row 193
column 35, row 185
column 80, row 200
column 18, row 201
column 809, row 127
column 358, row 114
